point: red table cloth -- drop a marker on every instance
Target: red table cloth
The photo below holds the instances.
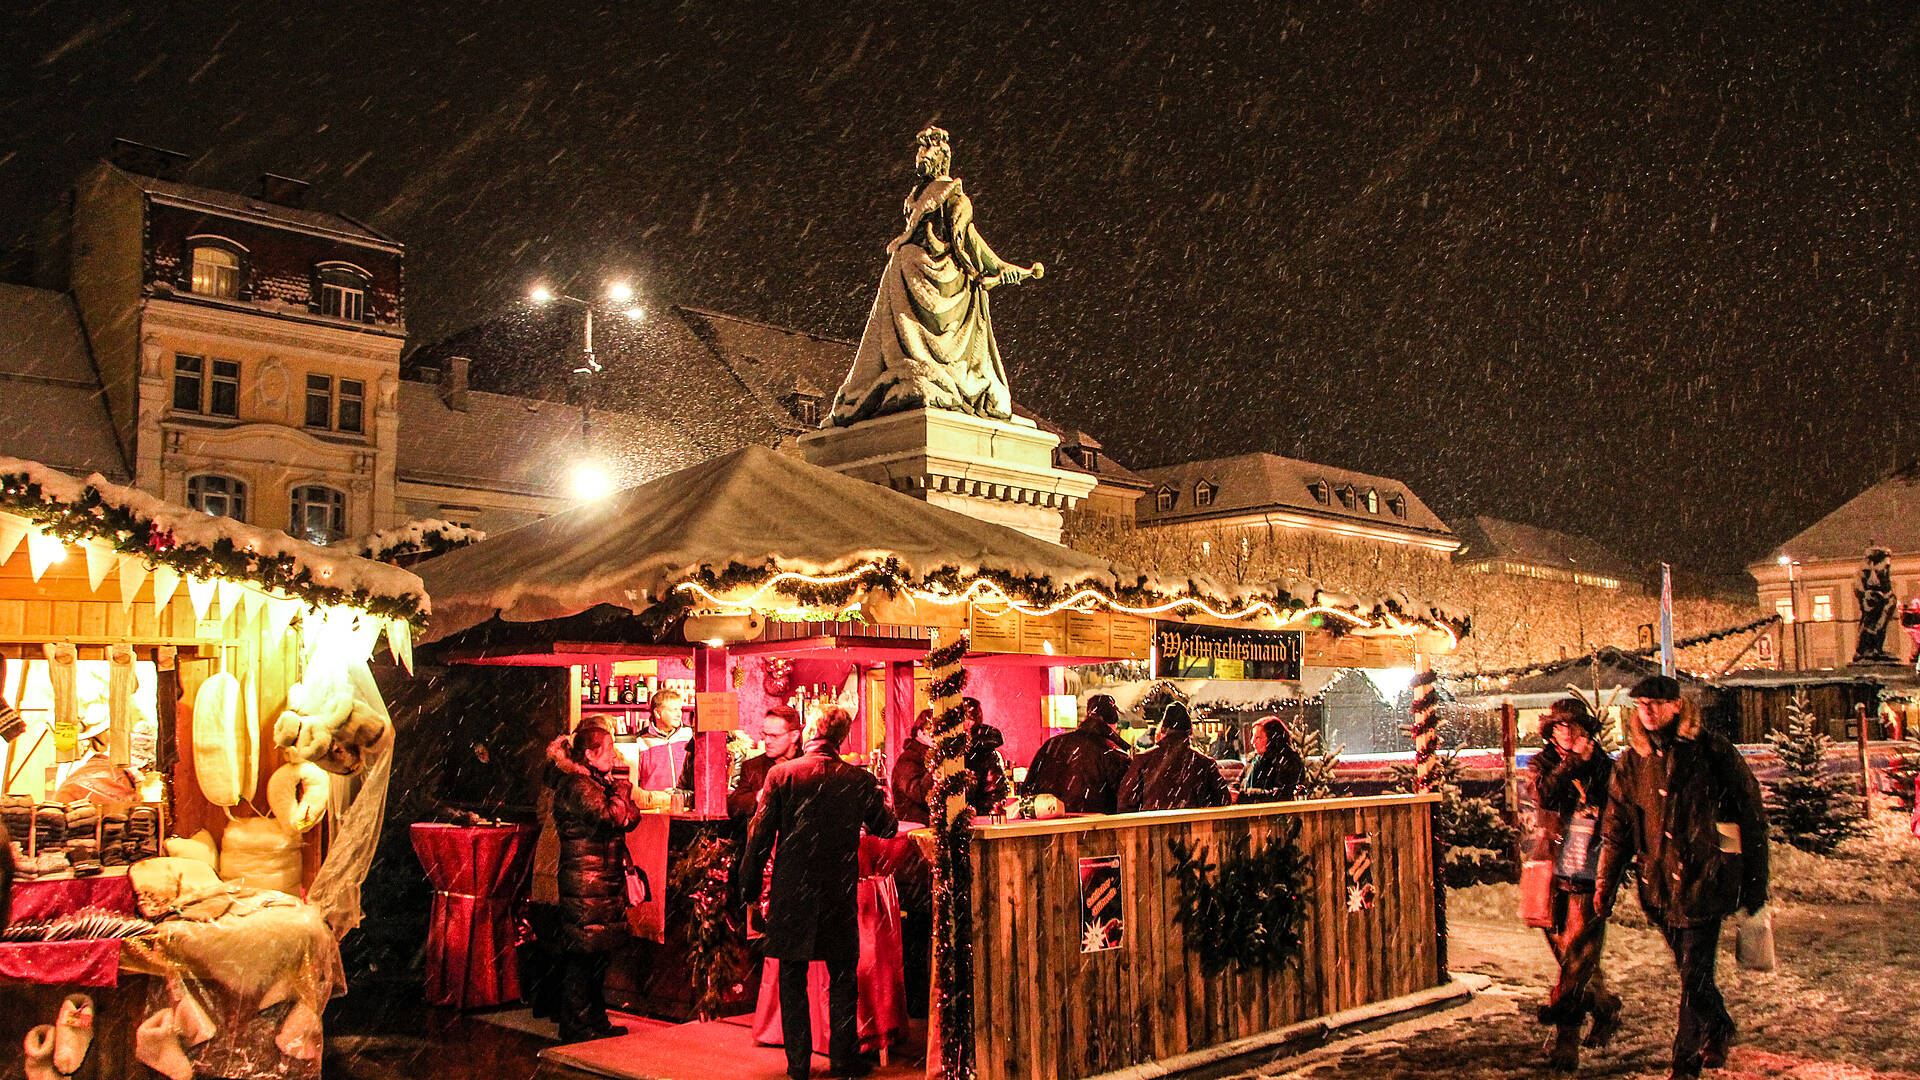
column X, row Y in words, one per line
column 58, row 896
column 478, row 875
column 81, row 962
column 882, row 1010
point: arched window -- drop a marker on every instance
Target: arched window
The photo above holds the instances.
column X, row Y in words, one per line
column 1372, row 498
column 221, row 496
column 1322, row 494
column 216, row 271
column 1348, row 498
column 319, row 514
column 340, row 290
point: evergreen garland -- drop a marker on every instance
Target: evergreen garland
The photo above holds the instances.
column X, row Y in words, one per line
column 1252, row 912
column 93, row 517
column 1810, row 808
column 699, row 889
column 952, row 822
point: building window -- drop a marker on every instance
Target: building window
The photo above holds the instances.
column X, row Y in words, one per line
column 202, row 388
column 1163, row 500
column 216, row 272
column 1783, row 607
column 336, row 409
column 1373, row 501
column 1397, row 505
column 1203, row 494
column 1822, row 607
column 350, row 411
column 1348, row 498
column 319, row 514
column 340, row 290
column 1322, row 494
column 806, row 409
column 221, row 496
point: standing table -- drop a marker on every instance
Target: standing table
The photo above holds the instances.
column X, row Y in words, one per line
column 479, row 874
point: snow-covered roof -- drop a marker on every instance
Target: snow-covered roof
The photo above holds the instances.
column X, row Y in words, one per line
column 52, row 408
column 1887, row 514
column 201, row 544
column 1250, row 483
column 1488, row 538
column 248, row 208
column 751, row 508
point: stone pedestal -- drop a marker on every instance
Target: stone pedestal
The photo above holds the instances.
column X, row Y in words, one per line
column 995, row 470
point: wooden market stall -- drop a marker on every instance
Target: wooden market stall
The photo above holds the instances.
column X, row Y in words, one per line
column 761, row 579
column 150, row 653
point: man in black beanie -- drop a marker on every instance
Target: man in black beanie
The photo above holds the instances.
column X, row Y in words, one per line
column 1683, row 802
column 1173, row 775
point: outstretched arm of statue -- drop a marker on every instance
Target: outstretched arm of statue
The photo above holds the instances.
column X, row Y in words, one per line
column 979, row 259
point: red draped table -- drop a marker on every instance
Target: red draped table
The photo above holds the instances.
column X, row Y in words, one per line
column 478, row 875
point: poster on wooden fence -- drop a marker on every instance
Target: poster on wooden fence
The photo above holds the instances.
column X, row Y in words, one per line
column 1101, row 923
column 1361, row 890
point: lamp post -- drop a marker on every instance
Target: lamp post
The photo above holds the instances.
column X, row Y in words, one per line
column 1793, row 608
column 589, row 479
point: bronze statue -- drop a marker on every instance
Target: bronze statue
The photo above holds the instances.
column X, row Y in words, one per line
column 929, row 338
column 1874, row 594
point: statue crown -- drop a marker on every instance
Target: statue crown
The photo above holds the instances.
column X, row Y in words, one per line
column 932, row 136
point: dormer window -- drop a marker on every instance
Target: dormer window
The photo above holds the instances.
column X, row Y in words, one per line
column 1089, row 458
column 1397, row 505
column 216, row 269
column 1163, row 500
column 1321, row 493
column 1203, row 493
column 340, row 290
column 1372, row 499
column 1348, row 497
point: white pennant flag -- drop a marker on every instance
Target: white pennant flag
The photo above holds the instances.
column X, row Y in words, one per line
column 201, row 592
column 100, row 559
column 254, row 600
column 280, row 613
column 12, row 531
column 400, row 642
column 165, row 580
column 43, row 551
column 133, row 574
column 228, row 593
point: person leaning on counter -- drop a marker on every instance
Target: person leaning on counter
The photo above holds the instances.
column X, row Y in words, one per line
column 1173, row 775
column 1083, row 767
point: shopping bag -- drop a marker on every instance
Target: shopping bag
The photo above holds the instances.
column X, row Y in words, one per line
column 1754, row 945
column 1536, row 892
column 1580, row 851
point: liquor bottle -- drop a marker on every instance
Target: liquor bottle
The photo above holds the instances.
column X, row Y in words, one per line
column 593, row 689
column 586, row 685
column 626, row 689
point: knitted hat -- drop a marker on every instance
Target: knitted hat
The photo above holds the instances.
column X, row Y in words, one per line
column 1569, row 710
column 1656, row 688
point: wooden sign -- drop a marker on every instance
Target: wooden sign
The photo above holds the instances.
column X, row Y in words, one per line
column 1130, row 637
column 995, row 632
column 1088, row 633
column 717, row 711
column 1044, row 635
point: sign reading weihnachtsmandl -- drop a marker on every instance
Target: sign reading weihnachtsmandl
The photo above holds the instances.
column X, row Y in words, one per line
column 1188, row 651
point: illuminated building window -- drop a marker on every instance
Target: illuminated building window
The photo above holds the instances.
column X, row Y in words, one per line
column 319, row 514
column 216, row 272
column 1783, row 607
column 221, row 496
column 1203, row 494
column 1822, row 607
column 1372, row 499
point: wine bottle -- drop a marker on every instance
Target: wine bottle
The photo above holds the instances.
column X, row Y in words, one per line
column 593, row 689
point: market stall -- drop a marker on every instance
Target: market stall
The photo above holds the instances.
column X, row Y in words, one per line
column 195, row 760
column 760, row 579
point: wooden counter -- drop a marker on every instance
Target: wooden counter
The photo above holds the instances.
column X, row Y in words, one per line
column 1044, row 1010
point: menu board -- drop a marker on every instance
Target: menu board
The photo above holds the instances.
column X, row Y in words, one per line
column 1130, row 636
column 1323, row 649
column 1087, row 633
column 1044, row 634
column 995, row 631
column 1062, row 633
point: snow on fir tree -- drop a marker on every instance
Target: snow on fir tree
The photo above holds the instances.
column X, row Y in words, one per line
column 1810, row 808
column 1321, row 763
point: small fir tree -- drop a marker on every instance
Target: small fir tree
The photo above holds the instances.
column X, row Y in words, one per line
column 1809, row 807
column 1320, row 761
column 1480, row 843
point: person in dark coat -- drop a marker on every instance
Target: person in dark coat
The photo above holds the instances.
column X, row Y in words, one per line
column 992, row 780
column 912, row 779
column 809, row 822
column 1684, row 804
column 1570, row 775
column 1227, row 745
column 1277, row 772
column 780, row 737
column 1172, row 775
column 1083, row 767
column 592, row 809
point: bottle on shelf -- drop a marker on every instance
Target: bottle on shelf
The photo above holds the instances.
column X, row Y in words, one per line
column 593, row 689
column 626, row 690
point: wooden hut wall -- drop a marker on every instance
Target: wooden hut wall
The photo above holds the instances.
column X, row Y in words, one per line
column 1045, row 1010
column 1761, row 709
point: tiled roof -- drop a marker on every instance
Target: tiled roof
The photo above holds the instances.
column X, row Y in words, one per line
column 1887, row 514
column 249, row 208
column 52, row 409
column 778, row 359
column 1251, row 483
column 1486, row 538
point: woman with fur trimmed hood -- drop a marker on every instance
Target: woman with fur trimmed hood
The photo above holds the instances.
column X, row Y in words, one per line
column 592, row 809
column 1570, row 775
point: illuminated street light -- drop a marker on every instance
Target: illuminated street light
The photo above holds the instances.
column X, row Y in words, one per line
column 619, row 292
column 540, row 294
column 590, row 482
column 635, row 313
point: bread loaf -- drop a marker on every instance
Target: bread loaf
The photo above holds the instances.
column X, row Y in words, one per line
column 220, row 744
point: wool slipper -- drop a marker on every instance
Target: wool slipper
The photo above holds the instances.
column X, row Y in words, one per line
column 190, row 1021
column 39, row 1047
column 300, row 1035
column 157, row 1046
column 73, row 1034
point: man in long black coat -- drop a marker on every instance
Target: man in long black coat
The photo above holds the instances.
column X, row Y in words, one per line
column 780, row 734
column 1173, row 775
column 811, row 813
column 1083, row 767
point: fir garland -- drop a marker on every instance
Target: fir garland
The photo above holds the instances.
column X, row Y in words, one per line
column 92, row 517
column 1549, row 667
column 952, row 822
column 1252, row 913
column 1425, row 730
column 699, row 888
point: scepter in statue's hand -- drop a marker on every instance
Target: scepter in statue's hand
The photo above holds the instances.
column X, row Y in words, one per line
column 1013, row 275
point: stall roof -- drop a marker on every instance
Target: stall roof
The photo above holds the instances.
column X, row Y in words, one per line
column 752, row 508
column 1618, row 670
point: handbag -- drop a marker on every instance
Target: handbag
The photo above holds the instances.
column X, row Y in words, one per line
column 1579, row 852
column 1536, row 893
column 639, row 890
column 1753, row 947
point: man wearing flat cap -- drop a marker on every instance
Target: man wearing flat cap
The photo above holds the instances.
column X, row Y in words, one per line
column 1683, row 802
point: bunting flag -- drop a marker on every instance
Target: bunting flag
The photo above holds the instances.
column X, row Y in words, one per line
column 280, row 613
column 228, row 591
column 12, row 531
column 43, row 551
column 100, row 559
column 254, row 601
column 400, row 642
column 133, row 574
column 201, row 592
column 165, row 580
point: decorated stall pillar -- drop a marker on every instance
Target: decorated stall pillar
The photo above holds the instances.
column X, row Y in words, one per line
column 1426, row 741
column 709, row 747
column 950, row 1017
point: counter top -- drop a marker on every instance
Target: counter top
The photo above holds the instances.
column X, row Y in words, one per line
column 1138, row 819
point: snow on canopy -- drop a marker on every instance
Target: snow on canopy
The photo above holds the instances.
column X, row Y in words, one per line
column 752, row 508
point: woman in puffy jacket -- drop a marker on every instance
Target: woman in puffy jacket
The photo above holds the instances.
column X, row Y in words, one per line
column 1570, row 775
column 592, row 809
column 1277, row 772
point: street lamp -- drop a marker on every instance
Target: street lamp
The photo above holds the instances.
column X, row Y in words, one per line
column 590, row 480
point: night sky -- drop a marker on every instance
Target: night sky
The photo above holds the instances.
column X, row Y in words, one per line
column 1639, row 270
